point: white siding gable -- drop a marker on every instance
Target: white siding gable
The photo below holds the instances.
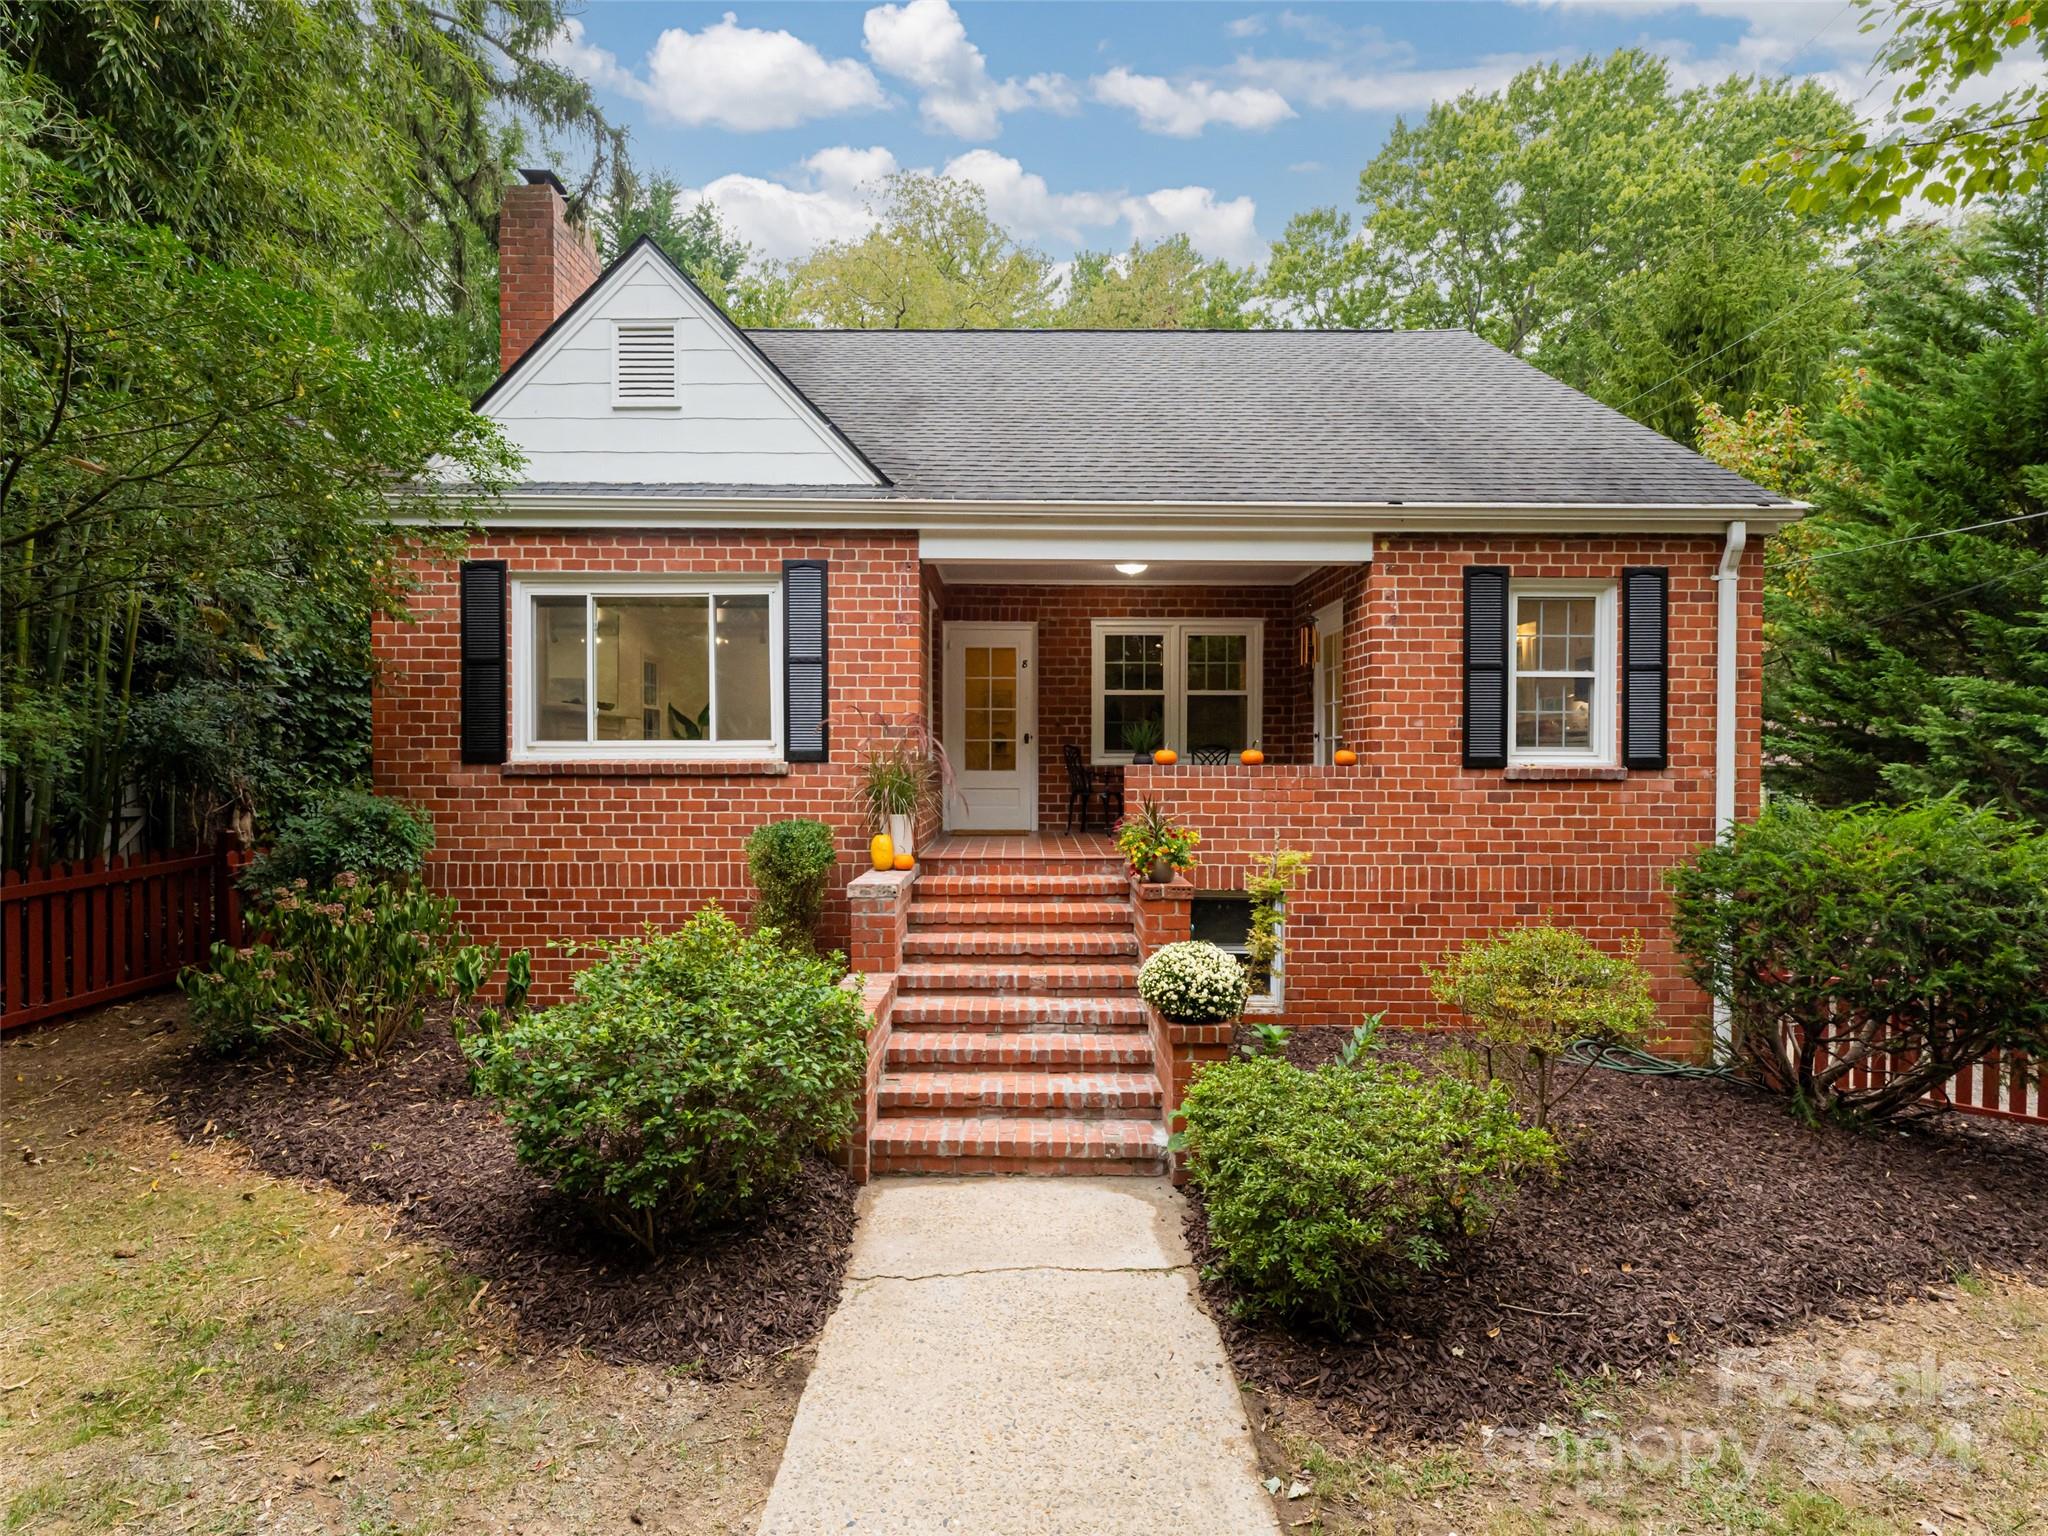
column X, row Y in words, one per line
column 605, row 400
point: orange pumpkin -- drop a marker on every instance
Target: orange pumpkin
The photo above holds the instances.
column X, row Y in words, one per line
column 882, row 850
column 1344, row 757
column 905, row 861
column 1251, row 757
column 1165, row 757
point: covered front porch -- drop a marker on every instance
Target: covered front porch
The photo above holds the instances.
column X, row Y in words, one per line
column 1049, row 676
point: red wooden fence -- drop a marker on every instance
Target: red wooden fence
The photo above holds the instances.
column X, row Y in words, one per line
column 74, row 936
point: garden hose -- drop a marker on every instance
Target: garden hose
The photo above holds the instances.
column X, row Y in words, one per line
column 1634, row 1063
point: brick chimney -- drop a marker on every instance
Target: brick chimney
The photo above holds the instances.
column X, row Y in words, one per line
column 544, row 262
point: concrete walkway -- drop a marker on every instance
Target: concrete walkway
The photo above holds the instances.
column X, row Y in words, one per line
column 1019, row 1356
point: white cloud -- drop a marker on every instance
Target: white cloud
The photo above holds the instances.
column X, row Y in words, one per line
column 741, row 78
column 826, row 200
column 924, row 43
column 1186, row 108
column 1022, row 203
column 1246, row 26
column 1225, row 230
column 1327, row 83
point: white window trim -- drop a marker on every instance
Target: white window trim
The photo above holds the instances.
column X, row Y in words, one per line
column 1606, row 681
column 1176, row 632
column 675, row 385
column 526, row 749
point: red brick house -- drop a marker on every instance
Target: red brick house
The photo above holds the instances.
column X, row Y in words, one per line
column 738, row 558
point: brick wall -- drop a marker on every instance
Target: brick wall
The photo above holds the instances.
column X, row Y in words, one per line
column 544, row 265
column 537, row 853
column 1413, row 852
column 1064, row 616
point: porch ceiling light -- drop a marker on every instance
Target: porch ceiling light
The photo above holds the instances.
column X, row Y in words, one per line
column 1131, row 567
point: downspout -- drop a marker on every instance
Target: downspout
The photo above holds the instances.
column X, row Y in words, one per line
column 1728, row 595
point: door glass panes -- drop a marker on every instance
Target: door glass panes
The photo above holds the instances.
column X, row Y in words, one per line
column 740, row 646
column 653, row 668
column 560, row 674
column 1556, row 672
column 989, row 683
column 1330, row 690
column 1133, row 691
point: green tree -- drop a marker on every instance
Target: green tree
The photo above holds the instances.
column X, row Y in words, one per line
column 1945, row 150
column 1910, row 656
column 1165, row 286
column 1593, row 220
column 695, row 238
column 934, row 260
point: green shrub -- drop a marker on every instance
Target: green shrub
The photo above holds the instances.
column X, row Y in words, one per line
column 1914, row 938
column 346, row 830
column 684, row 1079
column 1532, row 991
column 791, row 862
column 346, row 971
column 1328, row 1189
column 1194, row 983
column 1271, row 877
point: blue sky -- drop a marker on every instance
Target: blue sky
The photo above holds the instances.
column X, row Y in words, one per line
column 1089, row 124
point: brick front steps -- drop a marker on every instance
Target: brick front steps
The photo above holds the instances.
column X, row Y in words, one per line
column 1018, row 1043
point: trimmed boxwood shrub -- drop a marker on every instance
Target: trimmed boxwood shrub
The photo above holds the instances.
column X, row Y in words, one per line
column 1194, row 983
column 1914, row 937
column 346, row 830
column 1326, row 1190
column 791, row 862
column 684, row 1079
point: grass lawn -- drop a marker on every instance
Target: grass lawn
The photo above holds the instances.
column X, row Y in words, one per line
column 187, row 1345
column 1932, row 1420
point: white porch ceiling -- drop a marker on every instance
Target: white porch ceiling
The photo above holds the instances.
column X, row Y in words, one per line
column 1081, row 573
column 1062, row 557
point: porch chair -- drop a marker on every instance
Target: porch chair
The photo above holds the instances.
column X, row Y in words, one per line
column 1211, row 757
column 1085, row 783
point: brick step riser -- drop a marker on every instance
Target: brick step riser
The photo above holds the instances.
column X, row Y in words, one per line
column 1039, row 982
column 1011, row 1053
column 961, row 1021
column 1048, row 944
column 1065, row 1138
column 1020, row 887
column 1010, row 912
column 1081, row 1113
column 1034, row 1167
column 1024, row 1091
column 955, row 866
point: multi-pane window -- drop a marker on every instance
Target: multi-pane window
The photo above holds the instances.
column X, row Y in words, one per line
column 1133, row 690
column 1562, row 674
column 990, row 699
column 1191, row 686
column 678, row 669
column 1218, row 693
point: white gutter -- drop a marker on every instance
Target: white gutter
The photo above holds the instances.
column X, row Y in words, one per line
column 657, row 508
column 1728, row 595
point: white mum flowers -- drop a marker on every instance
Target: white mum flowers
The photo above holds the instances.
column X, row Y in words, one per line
column 1194, row 983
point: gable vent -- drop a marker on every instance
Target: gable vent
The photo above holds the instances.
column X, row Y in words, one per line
column 646, row 365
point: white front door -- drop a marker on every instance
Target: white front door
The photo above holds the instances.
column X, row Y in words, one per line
column 991, row 727
column 1329, row 680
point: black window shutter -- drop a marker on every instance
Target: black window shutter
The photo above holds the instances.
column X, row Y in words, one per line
column 1486, row 666
column 483, row 661
column 1645, row 670
column 803, row 661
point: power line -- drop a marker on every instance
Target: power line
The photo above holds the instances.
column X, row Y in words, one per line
column 1911, row 538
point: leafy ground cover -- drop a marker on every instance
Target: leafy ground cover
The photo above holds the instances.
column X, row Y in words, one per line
column 191, row 1345
column 1689, row 1218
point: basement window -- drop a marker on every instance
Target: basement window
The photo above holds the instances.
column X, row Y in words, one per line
column 643, row 364
column 1224, row 918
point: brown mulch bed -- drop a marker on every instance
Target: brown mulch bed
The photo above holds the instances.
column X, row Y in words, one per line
column 1690, row 1216
column 407, row 1133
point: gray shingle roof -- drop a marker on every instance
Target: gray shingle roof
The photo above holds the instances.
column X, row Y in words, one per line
column 1315, row 416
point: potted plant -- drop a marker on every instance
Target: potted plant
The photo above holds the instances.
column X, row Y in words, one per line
column 1193, row 983
column 1154, row 846
column 1142, row 738
column 898, row 778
